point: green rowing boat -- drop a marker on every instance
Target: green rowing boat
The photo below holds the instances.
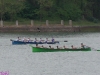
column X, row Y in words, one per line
column 38, row 49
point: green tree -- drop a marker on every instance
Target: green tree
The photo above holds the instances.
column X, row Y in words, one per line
column 11, row 7
column 96, row 9
column 30, row 10
column 49, row 9
column 66, row 9
column 45, row 6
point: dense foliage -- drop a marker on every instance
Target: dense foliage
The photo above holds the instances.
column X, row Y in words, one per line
column 50, row 9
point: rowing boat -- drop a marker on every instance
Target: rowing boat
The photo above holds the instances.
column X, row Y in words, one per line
column 19, row 42
column 38, row 49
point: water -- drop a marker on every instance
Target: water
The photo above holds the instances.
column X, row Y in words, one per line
column 19, row 59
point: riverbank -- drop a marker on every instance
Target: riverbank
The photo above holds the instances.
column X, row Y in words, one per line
column 50, row 29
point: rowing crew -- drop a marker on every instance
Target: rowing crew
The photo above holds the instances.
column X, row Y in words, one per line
column 52, row 40
column 30, row 40
column 24, row 39
column 64, row 47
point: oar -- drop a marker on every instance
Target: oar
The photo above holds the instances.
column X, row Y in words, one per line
column 94, row 49
column 63, row 41
column 11, row 40
column 98, row 50
column 30, row 45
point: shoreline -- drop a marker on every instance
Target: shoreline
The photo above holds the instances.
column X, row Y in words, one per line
column 50, row 29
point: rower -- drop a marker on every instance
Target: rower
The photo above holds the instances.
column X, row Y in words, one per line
column 73, row 47
column 42, row 46
column 37, row 45
column 41, row 40
column 53, row 40
column 59, row 48
column 29, row 40
column 51, row 47
column 65, row 47
column 36, row 40
column 82, row 46
column 46, row 39
column 19, row 39
column 24, row 39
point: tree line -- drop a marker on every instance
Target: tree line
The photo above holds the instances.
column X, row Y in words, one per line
column 50, row 9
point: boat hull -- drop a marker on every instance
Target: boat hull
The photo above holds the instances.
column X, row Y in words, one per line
column 15, row 42
column 37, row 49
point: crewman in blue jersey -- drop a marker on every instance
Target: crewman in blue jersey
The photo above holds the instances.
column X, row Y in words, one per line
column 53, row 40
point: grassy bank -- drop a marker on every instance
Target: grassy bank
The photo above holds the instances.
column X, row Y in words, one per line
column 51, row 23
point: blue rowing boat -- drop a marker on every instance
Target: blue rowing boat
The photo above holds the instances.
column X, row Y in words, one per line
column 19, row 42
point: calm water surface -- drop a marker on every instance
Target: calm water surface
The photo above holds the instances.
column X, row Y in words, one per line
column 19, row 59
